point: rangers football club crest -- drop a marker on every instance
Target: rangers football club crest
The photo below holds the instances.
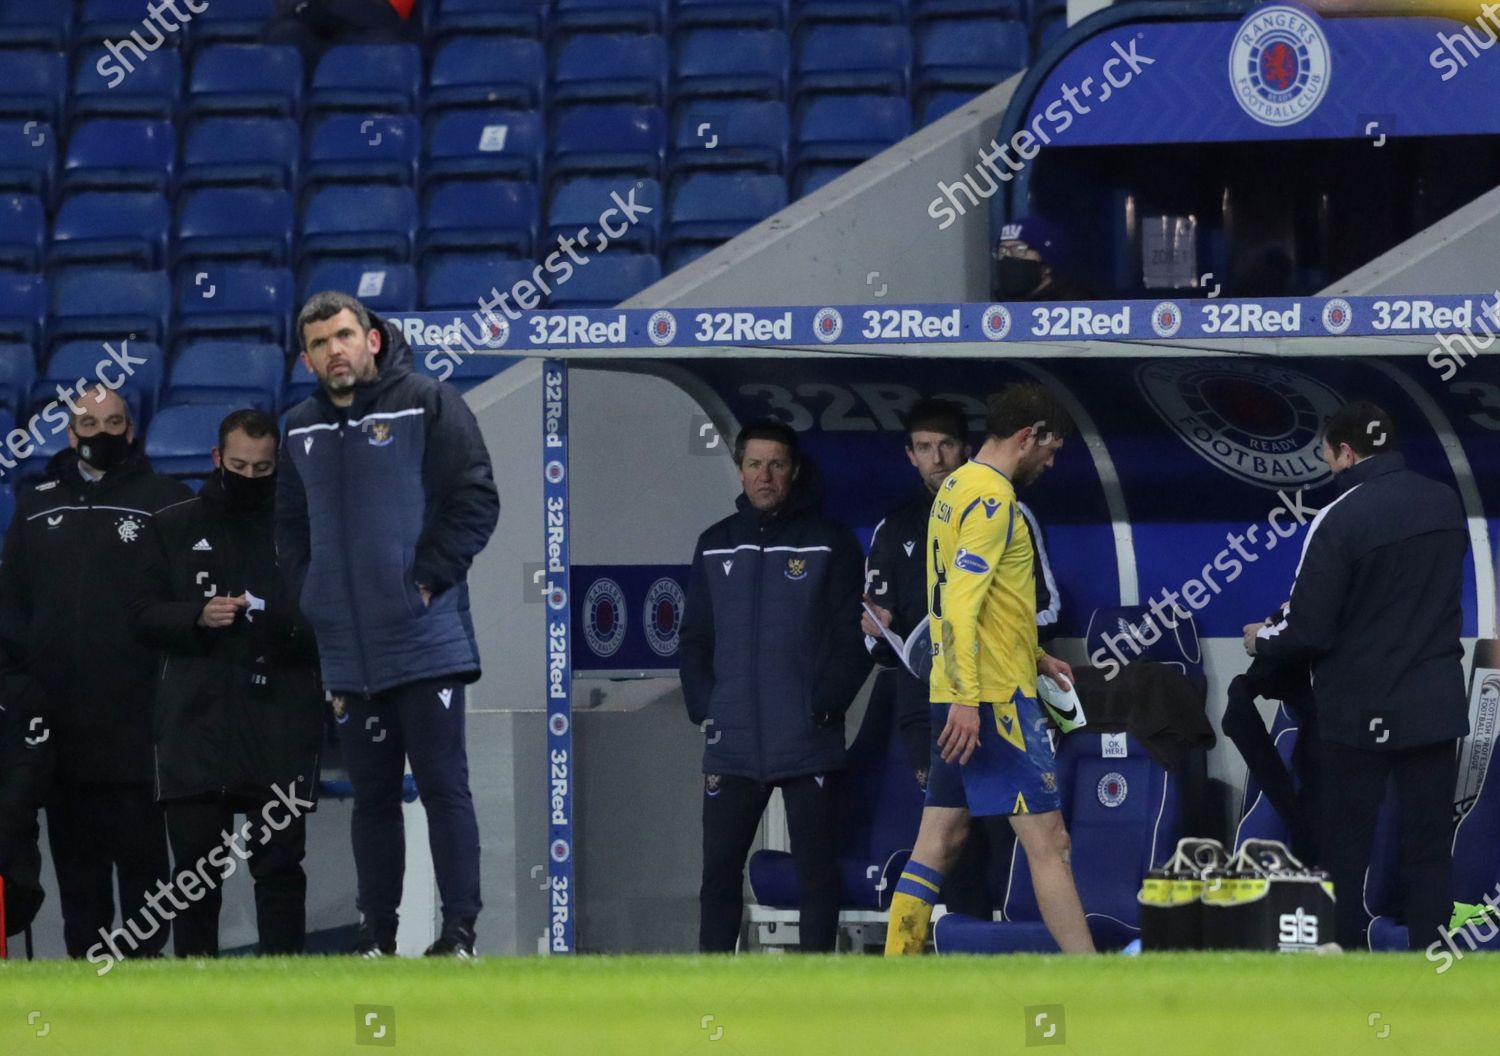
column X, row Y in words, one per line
column 661, row 328
column 796, row 568
column 555, row 472
column 1279, row 65
column 1338, row 314
column 828, row 324
column 129, row 529
column 995, row 322
column 557, row 599
column 560, row 850
column 662, row 616
column 558, row 724
column 1112, row 789
column 1166, row 319
column 604, row 617
column 380, row 434
column 1255, row 421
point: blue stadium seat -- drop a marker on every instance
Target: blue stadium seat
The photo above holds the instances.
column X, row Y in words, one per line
column 381, row 287
column 236, row 372
column 181, row 438
column 811, row 178
column 241, row 152
column 972, row 54
column 858, row 58
column 610, row 67
column 109, row 304
column 806, row 14
column 848, row 129
column 458, row 283
column 300, row 384
column 359, row 220
column 231, row 22
column 383, row 78
column 483, row 144
column 77, row 361
column 28, row 158
column 23, row 306
column 756, row 14
column 17, row 372
column 103, row 20
column 680, row 256
column 745, row 135
column 612, row 16
column 35, row 25
column 1124, row 816
column 362, row 148
column 489, row 72
column 1049, row 27
column 934, row 105
column 120, row 154
column 104, row 86
column 608, row 138
column 878, row 810
column 492, row 217
column 23, row 224
column 245, row 80
column 1258, row 819
column 34, row 465
column 223, row 301
column 1177, row 647
column 579, row 202
column 466, row 18
column 714, row 207
column 246, row 224
column 34, row 86
column 750, row 63
column 111, row 227
column 607, row 280
column 927, row 10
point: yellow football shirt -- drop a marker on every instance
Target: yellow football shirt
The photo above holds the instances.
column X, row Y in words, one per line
column 981, row 590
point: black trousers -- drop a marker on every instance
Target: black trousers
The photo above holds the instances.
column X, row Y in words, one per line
column 422, row 722
column 1354, row 784
column 196, row 827
column 97, row 834
column 732, row 808
column 1294, row 793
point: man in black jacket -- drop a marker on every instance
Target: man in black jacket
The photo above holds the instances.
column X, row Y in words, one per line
column 770, row 659
column 238, row 709
column 26, row 761
column 1376, row 609
column 384, row 498
column 65, row 588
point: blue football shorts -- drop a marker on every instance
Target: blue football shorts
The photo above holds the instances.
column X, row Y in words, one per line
column 1013, row 771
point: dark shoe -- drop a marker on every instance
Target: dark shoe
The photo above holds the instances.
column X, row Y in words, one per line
column 377, row 938
column 457, row 940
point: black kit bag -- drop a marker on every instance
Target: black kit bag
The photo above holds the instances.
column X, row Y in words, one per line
column 1170, row 899
column 1265, row 899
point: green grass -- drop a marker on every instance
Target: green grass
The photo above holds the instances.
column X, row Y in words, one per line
column 1203, row 1004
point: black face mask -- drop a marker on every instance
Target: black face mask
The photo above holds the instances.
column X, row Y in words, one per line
column 1017, row 277
column 247, row 492
column 104, row 451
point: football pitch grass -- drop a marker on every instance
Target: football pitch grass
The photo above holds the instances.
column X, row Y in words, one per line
column 1203, row 1004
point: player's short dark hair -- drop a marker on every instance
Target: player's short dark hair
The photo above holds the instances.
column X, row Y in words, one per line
column 1364, row 426
column 936, row 416
column 767, row 429
column 326, row 305
column 1023, row 403
column 254, row 424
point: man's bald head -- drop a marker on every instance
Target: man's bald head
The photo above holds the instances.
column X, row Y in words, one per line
column 98, row 406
